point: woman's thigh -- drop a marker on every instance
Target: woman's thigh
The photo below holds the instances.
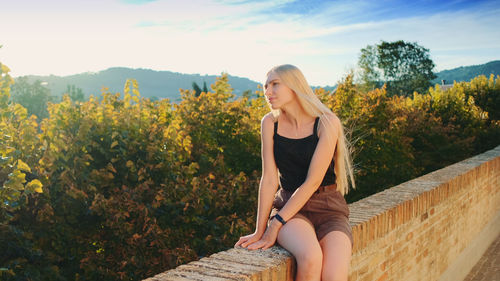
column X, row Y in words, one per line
column 299, row 238
column 336, row 247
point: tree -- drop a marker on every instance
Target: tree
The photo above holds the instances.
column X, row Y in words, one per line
column 404, row 67
column 486, row 94
column 32, row 96
column 75, row 93
column 205, row 89
column 198, row 90
column 19, row 183
column 370, row 75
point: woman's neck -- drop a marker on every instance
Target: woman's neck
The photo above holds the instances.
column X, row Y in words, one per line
column 296, row 116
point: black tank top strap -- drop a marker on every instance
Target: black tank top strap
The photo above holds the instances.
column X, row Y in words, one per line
column 316, row 126
column 275, row 128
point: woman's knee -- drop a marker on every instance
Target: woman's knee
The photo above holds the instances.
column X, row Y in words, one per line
column 311, row 259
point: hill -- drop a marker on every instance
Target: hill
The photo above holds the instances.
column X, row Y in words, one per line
column 161, row 84
column 466, row 73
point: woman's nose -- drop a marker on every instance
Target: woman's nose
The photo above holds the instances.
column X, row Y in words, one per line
column 267, row 92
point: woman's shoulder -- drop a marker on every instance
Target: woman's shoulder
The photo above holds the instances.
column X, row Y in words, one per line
column 330, row 116
column 330, row 122
column 268, row 120
column 267, row 126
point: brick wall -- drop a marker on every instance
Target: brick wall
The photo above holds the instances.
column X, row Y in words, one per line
column 414, row 231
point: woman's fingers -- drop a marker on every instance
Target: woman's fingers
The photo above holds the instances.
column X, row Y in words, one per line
column 267, row 246
column 242, row 239
column 248, row 242
column 256, row 245
column 261, row 244
column 252, row 242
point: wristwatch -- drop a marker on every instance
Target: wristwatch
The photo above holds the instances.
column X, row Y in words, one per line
column 279, row 218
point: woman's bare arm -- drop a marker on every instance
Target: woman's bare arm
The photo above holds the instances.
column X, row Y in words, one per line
column 268, row 182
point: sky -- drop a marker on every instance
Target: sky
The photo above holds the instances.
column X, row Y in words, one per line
column 240, row 37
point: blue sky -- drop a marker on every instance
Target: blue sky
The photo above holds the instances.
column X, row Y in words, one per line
column 243, row 38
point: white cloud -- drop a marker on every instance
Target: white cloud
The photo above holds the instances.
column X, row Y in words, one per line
column 209, row 37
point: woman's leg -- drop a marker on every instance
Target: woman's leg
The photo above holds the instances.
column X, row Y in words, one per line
column 336, row 248
column 299, row 238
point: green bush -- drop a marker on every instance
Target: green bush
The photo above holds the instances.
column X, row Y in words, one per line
column 122, row 188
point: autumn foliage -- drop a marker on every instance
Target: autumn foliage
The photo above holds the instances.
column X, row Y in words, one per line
column 121, row 188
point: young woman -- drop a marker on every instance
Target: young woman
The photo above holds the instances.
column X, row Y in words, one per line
column 304, row 154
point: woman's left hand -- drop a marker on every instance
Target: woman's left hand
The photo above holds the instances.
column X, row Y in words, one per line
column 269, row 238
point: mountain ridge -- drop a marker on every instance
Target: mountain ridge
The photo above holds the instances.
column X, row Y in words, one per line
column 466, row 73
column 152, row 83
column 166, row 84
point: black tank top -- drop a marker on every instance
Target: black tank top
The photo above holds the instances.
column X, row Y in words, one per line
column 293, row 157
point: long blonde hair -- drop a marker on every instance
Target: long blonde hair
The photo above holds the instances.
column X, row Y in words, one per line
column 293, row 78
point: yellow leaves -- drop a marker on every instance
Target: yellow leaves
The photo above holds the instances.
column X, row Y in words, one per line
column 35, row 185
column 186, row 143
column 127, row 99
column 193, row 167
column 100, row 116
column 4, row 68
column 113, row 144
column 111, row 168
column 176, row 125
column 142, row 174
column 195, row 183
column 129, row 164
column 18, row 176
column 20, row 111
column 21, row 165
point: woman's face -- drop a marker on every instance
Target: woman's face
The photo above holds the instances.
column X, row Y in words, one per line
column 276, row 92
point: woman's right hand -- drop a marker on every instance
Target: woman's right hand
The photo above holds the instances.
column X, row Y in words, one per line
column 248, row 239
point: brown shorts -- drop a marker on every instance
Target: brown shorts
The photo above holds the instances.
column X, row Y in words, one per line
column 326, row 211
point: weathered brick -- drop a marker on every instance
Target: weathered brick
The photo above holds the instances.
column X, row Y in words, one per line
column 383, row 277
column 412, row 231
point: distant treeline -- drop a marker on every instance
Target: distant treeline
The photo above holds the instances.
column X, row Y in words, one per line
column 154, row 84
column 466, row 73
column 122, row 187
column 33, row 92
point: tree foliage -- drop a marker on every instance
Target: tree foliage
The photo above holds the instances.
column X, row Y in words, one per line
column 396, row 138
column 198, row 90
column 19, row 181
column 75, row 93
column 32, row 96
column 121, row 187
column 404, row 67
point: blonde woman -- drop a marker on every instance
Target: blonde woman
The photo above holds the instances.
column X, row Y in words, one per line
column 304, row 154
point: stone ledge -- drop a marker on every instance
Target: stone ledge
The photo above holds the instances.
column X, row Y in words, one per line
column 385, row 227
column 235, row 264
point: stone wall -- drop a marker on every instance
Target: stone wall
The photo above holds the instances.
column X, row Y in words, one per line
column 430, row 228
